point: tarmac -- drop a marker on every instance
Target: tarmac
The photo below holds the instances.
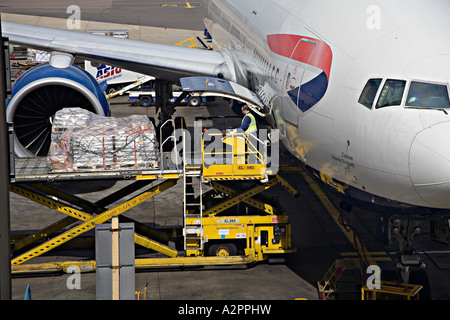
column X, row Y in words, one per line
column 170, row 36
column 316, row 232
column 171, row 14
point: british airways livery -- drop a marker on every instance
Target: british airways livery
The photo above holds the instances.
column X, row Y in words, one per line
column 316, row 57
column 358, row 89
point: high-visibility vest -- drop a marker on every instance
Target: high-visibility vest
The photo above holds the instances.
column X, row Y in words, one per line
column 252, row 126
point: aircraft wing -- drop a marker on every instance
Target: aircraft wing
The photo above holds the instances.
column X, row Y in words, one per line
column 161, row 61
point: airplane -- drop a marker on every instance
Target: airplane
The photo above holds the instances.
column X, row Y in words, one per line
column 359, row 91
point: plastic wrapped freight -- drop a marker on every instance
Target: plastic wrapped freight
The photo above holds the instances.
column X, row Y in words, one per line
column 82, row 140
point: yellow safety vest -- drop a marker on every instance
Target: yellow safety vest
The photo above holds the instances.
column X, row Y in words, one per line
column 252, row 126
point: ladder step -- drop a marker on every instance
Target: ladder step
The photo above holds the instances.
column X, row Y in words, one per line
column 194, row 226
column 193, row 230
column 191, row 247
column 193, row 208
column 194, row 216
column 193, row 240
column 195, row 173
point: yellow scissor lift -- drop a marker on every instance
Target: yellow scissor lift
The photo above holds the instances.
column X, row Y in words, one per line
column 211, row 235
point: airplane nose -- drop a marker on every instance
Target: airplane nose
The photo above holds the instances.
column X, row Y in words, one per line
column 429, row 165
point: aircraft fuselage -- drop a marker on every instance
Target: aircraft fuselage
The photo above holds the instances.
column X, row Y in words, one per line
column 359, row 92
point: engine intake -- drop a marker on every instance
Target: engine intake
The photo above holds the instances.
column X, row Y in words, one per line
column 39, row 93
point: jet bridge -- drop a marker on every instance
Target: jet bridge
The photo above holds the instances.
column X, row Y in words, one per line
column 210, row 234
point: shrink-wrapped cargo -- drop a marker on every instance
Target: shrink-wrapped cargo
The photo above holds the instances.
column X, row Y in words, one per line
column 86, row 141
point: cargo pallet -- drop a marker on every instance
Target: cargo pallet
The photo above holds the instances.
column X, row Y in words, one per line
column 210, row 235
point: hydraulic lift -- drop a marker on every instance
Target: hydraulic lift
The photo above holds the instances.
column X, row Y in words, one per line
column 213, row 232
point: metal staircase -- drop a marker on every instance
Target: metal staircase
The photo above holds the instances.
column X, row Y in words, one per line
column 192, row 208
column 193, row 220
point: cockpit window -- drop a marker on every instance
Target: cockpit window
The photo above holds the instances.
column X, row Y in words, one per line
column 369, row 92
column 392, row 93
column 427, row 95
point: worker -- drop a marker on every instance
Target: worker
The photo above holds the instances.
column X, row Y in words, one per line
column 248, row 125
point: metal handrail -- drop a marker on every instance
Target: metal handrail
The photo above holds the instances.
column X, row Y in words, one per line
column 171, row 137
column 260, row 155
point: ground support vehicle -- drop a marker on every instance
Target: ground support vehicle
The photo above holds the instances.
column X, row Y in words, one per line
column 147, row 98
column 129, row 87
column 210, row 235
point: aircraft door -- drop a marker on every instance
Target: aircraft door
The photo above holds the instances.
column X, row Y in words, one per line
column 265, row 238
column 296, row 74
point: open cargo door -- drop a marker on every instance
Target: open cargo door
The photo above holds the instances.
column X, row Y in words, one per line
column 206, row 86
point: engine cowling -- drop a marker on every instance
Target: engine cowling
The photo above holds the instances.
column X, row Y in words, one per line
column 43, row 90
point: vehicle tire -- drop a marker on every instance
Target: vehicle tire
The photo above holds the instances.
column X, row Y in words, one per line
column 194, row 101
column 145, row 101
column 222, row 250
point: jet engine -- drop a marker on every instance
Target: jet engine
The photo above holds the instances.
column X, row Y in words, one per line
column 43, row 90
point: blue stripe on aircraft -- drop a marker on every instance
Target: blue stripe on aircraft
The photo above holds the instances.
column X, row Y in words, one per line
column 310, row 93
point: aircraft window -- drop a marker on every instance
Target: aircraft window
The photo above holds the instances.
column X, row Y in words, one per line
column 369, row 92
column 288, row 81
column 427, row 95
column 392, row 93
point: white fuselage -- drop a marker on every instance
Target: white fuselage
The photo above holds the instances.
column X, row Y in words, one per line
column 390, row 148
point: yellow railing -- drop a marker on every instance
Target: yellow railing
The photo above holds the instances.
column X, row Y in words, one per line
column 191, row 40
column 391, row 291
column 240, row 156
